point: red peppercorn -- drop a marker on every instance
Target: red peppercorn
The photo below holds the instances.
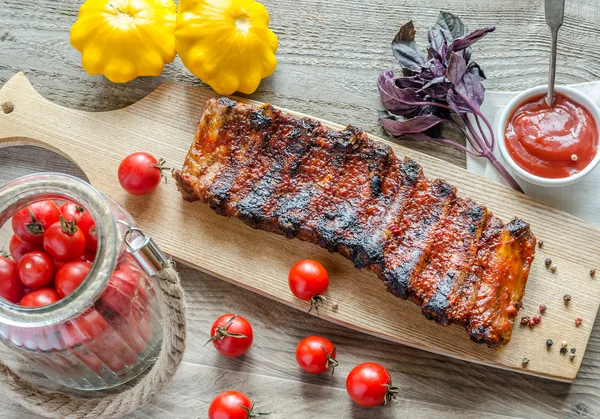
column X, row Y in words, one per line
column 537, row 319
column 542, row 308
column 531, row 323
column 578, row 321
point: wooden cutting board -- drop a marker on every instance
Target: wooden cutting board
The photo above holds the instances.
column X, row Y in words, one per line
column 164, row 122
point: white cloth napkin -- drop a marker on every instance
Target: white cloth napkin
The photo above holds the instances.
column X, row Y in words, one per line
column 581, row 199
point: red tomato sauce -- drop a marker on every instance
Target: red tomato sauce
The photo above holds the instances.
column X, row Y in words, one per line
column 555, row 142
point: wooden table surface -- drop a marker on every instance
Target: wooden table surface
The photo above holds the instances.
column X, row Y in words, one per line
column 329, row 57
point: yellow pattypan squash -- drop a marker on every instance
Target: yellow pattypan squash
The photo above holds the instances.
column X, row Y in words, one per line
column 226, row 43
column 124, row 39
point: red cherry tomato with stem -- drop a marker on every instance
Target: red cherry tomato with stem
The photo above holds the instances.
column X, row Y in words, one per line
column 30, row 223
column 369, row 384
column 87, row 225
column 70, row 276
column 11, row 288
column 72, row 211
column 231, row 335
column 40, row 297
column 141, row 173
column 18, row 249
column 64, row 241
column 36, row 269
column 232, row 405
column 315, row 355
column 308, row 280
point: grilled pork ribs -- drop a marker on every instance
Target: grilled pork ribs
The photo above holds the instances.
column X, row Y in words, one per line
column 351, row 195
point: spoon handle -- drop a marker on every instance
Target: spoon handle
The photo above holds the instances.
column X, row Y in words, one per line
column 555, row 13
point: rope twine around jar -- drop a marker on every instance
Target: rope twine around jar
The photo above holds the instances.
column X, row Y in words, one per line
column 54, row 404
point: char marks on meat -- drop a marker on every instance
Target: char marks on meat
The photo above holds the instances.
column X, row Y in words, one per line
column 351, row 195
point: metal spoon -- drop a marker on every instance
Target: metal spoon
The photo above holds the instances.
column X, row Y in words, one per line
column 555, row 13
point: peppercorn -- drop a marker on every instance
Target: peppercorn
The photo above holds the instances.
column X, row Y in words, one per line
column 553, row 269
column 571, row 357
column 525, row 362
column 573, row 350
column 334, row 306
column 524, row 320
column 548, row 262
column 543, row 308
column 593, row 273
column 563, row 344
column 578, row 321
column 566, row 298
column 549, row 343
column 563, row 350
column 532, row 323
column 541, row 244
column 537, row 319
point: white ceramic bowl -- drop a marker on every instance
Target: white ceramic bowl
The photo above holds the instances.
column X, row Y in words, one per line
column 523, row 97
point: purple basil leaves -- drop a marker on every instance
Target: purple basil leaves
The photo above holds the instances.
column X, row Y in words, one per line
column 434, row 87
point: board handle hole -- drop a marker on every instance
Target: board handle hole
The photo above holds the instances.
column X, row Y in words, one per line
column 7, row 107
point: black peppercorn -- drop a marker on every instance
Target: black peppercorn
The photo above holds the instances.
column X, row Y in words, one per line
column 548, row 262
column 549, row 343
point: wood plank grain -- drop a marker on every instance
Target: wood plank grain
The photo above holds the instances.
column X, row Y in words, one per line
column 164, row 122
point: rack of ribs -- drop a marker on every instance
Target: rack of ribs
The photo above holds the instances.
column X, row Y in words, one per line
column 352, row 195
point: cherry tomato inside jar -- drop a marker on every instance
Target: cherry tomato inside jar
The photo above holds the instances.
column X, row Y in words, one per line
column 11, row 288
column 18, row 249
column 88, row 227
column 64, row 241
column 30, row 223
column 36, row 269
column 70, row 276
column 40, row 297
column 72, row 211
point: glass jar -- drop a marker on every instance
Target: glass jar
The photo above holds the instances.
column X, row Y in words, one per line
column 109, row 329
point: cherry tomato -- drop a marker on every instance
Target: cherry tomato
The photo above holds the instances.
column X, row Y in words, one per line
column 84, row 328
column 70, row 276
column 231, row 405
column 88, row 256
column 36, row 269
column 30, row 222
column 231, row 335
column 140, row 173
column 40, row 297
column 316, row 354
column 369, row 384
column 11, row 288
column 122, row 292
column 308, row 280
column 18, row 249
column 87, row 225
column 71, row 211
column 64, row 241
